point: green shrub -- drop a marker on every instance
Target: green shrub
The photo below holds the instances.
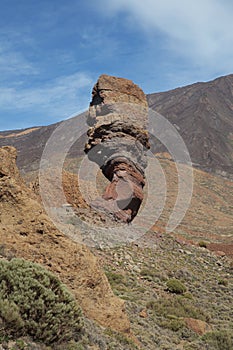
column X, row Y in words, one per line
column 223, row 282
column 175, row 286
column 202, row 244
column 152, row 274
column 34, row 302
column 174, row 324
column 115, row 278
column 20, row 345
column 218, row 340
column 176, row 307
column 147, row 274
column 121, row 338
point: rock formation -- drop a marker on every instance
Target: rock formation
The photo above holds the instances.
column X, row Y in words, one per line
column 117, row 142
column 27, row 232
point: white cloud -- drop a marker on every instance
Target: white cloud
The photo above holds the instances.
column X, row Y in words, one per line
column 13, row 60
column 59, row 98
column 28, row 87
column 197, row 29
column 13, row 63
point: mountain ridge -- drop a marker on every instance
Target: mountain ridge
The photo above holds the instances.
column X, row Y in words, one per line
column 202, row 113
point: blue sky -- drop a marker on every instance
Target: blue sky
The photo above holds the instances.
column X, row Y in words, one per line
column 52, row 51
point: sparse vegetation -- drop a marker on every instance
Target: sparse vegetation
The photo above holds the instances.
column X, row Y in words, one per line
column 175, row 286
column 219, row 340
column 223, row 282
column 121, row 338
column 202, row 244
column 143, row 285
column 115, row 278
column 158, row 316
column 153, row 274
column 176, row 307
column 173, row 324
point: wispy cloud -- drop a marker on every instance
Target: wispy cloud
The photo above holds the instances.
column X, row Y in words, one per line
column 58, row 98
column 39, row 86
column 199, row 30
column 50, row 58
column 27, row 87
column 13, row 63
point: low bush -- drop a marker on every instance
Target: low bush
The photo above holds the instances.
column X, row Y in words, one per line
column 153, row 275
column 223, row 282
column 175, row 307
column 173, row 324
column 121, row 338
column 115, row 278
column 202, row 244
column 34, row 302
column 175, row 286
column 219, row 340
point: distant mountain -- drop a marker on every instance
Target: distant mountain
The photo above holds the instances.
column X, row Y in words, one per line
column 202, row 113
column 29, row 144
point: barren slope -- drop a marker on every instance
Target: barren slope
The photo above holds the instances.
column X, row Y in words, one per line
column 203, row 115
column 210, row 214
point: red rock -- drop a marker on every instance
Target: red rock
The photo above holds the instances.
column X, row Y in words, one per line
column 118, row 142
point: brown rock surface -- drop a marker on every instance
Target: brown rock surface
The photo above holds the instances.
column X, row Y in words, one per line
column 197, row 326
column 117, row 142
column 27, row 232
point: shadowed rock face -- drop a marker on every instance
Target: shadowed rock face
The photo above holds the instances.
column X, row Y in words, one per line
column 117, row 142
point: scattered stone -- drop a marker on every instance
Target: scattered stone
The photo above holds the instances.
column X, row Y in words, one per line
column 220, row 253
column 143, row 314
column 197, row 326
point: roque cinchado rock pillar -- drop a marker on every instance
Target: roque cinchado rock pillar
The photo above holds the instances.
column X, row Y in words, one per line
column 117, row 142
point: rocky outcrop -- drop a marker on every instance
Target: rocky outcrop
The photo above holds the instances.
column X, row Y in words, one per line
column 117, row 142
column 27, row 232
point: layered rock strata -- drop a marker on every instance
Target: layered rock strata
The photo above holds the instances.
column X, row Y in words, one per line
column 117, row 142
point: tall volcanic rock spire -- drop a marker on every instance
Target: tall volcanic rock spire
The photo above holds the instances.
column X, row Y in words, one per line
column 117, row 142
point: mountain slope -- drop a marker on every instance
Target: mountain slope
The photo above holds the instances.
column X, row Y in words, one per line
column 209, row 217
column 29, row 144
column 203, row 115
